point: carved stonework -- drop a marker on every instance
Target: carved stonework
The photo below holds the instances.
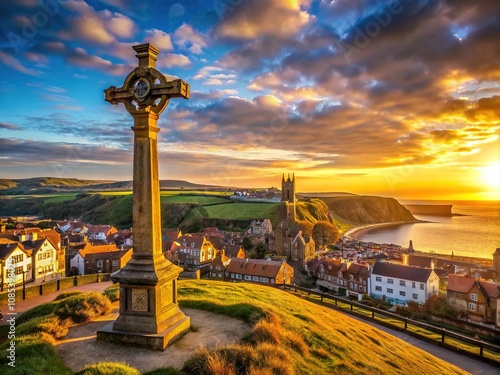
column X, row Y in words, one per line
column 139, row 299
column 166, row 294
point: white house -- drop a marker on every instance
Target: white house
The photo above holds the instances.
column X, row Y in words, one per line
column 44, row 258
column 14, row 257
column 100, row 232
column 400, row 284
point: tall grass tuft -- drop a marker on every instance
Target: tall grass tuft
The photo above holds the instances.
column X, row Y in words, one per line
column 44, row 309
column 108, row 368
column 49, row 324
column 85, row 307
column 113, row 293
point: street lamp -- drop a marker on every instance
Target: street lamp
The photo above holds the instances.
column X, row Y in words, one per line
column 24, row 284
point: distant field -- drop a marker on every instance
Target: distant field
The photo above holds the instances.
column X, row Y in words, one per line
column 244, row 211
column 51, row 198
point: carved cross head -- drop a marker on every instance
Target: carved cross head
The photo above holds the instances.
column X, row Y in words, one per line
column 146, row 89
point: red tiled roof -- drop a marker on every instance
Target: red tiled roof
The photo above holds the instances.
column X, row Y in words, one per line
column 255, row 267
column 460, row 284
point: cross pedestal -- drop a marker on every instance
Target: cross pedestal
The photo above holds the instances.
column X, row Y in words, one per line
column 149, row 311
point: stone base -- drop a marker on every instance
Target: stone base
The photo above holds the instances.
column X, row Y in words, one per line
column 157, row 341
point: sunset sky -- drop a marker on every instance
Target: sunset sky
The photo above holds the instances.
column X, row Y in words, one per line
column 394, row 98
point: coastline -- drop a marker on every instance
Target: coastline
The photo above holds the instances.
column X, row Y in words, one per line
column 350, row 233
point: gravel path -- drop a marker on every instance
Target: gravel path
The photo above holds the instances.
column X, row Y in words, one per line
column 80, row 348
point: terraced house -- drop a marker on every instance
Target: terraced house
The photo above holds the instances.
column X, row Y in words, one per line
column 13, row 252
column 195, row 253
column 267, row 272
column 477, row 298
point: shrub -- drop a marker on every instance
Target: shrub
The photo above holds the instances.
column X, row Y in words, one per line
column 66, row 295
column 36, row 312
column 164, row 371
column 437, row 305
column 108, row 368
column 49, row 324
column 35, row 354
column 113, row 293
column 84, row 307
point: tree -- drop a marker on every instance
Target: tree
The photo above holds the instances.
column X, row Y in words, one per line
column 260, row 250
column 247, row 244
column 305, row 226
column 325, row 233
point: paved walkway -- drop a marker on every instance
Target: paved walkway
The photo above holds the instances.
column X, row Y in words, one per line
column 22, row 306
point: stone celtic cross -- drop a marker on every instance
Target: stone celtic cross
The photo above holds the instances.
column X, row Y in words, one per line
column 149, row 311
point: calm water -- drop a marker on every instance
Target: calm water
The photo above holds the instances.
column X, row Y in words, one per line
column 477, row 234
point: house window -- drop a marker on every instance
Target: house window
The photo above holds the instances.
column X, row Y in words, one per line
column 402, row 293
column 248, row 278
column 39, row 256
column 415, row 296
column 255, row 278
column 263, row 279
column 413, row 285
column 115, row 263
column 360, row 288
column 17, row 258
column 218, row 268
column 472, row 306
column 402, row 283
column 473, row 296
column 28, row 268
column 390, row 281
column 422, row 287
column 232, row 276
column 378, row 278
column 19, row 270
column 238, row 276
column 213, row 274
column 219, row 275
column 378, row 288
column 389, row 290
column 272, row 281
column 99, row 263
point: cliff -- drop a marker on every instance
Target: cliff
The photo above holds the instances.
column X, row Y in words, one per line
column 430, row 209
column 360, row 210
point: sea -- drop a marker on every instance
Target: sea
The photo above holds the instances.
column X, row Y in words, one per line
column 473, row 230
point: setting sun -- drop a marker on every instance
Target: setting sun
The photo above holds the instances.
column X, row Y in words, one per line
column 491, row 175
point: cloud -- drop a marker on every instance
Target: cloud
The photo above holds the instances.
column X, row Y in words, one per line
column 15, row 64
column 172, row 59
column 159, row 39
column 4, row 125
column 252, row 19
column 186, row 37
column 91, row 26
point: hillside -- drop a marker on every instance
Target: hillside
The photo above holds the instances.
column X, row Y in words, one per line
column 289, row 336
column 360, row 209
column 48, row 185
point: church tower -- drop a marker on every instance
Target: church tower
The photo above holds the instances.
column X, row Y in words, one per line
column 283, row 234
column 288, row 189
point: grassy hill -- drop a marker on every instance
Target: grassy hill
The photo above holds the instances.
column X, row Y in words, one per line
column 289, row 336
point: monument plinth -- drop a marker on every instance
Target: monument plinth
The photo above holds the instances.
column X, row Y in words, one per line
column 149, row 311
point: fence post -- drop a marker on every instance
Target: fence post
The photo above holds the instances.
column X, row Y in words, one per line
column 406, row 323
column 335, row 302
column 481, row 350
column 351, row 306
column 442, row 335
column 321, row 297
column 373, row 313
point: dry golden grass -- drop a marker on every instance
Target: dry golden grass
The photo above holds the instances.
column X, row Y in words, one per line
column 294, row 336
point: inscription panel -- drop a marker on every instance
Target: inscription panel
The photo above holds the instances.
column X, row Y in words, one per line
column 139, row 299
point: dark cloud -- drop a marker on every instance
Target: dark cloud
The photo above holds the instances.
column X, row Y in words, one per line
column 4, row 125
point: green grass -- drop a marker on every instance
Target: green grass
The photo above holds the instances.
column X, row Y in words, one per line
column 197, row 199
column 301, row 335
column 290, row 335
column 244, row 211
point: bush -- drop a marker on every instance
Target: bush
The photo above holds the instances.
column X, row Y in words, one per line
column 108, row 368
column 35, row 354
column 66, row 295
column 48, row 324
column 113, row 293
column 84, row 307
column 36, row 312
column 438, row 306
